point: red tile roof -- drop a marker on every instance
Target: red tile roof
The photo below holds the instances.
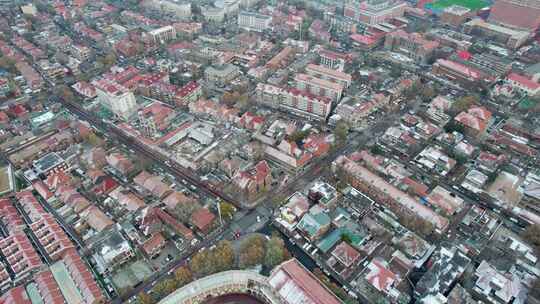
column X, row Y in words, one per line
column 295, row 284
column 202, row 218
column 83, row 278
column 155, row 241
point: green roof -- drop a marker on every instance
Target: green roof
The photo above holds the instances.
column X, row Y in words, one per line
column 312, row 223
column 33, row 293
column 330, row 240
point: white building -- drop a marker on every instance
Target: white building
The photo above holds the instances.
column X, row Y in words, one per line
column 115, row 97
column 319, row 86
column 329, row 74
column 162, row 34
column 178, row 8
column 253, row 21
column 213, row 14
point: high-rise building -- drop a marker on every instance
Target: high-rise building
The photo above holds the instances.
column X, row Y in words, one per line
column 178, row 8
column 372, row 12
column 115, row 97
column 162, row 34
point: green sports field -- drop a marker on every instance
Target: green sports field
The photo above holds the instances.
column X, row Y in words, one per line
column 471, row 4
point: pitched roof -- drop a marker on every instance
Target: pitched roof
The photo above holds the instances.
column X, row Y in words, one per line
column 202, row 218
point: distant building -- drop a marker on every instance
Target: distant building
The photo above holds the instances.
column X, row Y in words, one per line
column 458, row 72
column 372, row 12
column 253, row 21
column 162, row 35
column 455, row 15
column 319, row 86
column 512, row 38
column 221, row 75
column 413, row 45
column 326, row 73
column 517, row 14
column 179, row 9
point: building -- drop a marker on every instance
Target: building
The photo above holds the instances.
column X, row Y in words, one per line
column 373, row 12
column 293, row 283
column 115, row 98
column 178, row 9
column 458, row 72
column 299, row 102
column 329, row 74
column 254, row 180
column 524, row 84
column 253, row 21
column 155, row 118
column 476, row 120
column 517, row 14
column 162, row 35
column 52, row 71
column 222, row 74
column 512, row 38
column 189, row 93
column 455, row 15
column 449, row 264
column 213, row 14
column 413, row 45
column 332, row 59
column 112, row 251
column 81, row 52
column 319, row 86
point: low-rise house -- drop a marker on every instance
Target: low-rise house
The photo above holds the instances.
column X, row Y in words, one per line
column 152, row 246
column 476, row 120
column 314, row 224
column 253, row 181
column 120, row 163
column 203, row 220
column 112, row 251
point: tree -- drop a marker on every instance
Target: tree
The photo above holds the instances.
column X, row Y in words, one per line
column 340, row 132
column 427, row 93
column 242, row 102
column 227, row 210
column 298, row 136
column 532, row 236
column 183, row 276
column 275, row 252
column 252, row 251
column 165, row 287
column 534, row 291
column 464, row 103
column 200, row 265
column 222, row 256
column 184, row 211
column 8, row 64
column 144, row 298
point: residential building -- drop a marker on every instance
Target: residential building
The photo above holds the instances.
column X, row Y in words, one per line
column 112, row 251
column 319, row 86
column 162, row 35
column 152, row 246
column 413, row 45
column 81, row 52
column 326, row 73
column 476, row 120
column 254, row 180
column 455, row 15
column 203, row 220
column 189, row 93
column 115, row 97
column 449, row 264
column 213, row 14
column 253, row 22
column 373, row 12
column 178, row 9
column 221, row 75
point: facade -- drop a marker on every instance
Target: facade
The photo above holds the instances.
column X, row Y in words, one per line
column 213, row 14
column 455, row 15
column 319, row 86
column 512, row 38
column 414, row 45
column 162, row 34
column 373, row 12
column 179, row 9
column 326, row 73
column 80, row 52
column 221, row 74
column 116, row 98
column 253, row 21
column 299, row 102
column 458, row 72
